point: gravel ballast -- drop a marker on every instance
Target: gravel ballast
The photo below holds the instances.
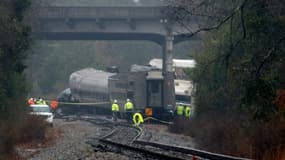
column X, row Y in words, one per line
column 73, row 143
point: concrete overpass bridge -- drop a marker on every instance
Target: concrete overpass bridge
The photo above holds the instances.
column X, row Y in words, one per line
column 110, row 20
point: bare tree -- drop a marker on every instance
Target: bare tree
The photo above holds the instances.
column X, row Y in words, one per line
column 196, row 16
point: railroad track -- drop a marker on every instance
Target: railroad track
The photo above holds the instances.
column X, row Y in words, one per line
column 198, row 154
column 124, row 136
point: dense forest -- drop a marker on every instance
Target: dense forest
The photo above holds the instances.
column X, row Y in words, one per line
column 240, row 78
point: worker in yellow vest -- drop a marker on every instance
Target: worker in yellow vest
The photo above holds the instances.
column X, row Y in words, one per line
column 187, row 111
column 40, row 101
column 115, row 110
column 129, row 109
column 138, row 119
column 180, row 110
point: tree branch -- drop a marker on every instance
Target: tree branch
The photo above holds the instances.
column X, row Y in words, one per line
column 269, row 54
column 220, row 23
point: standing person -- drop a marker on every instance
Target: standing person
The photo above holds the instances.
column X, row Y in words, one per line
column 38, row 101
column 179, row 110
column 115, row 110
column 187, row 112
column 129, row 107
column 41, row 101
column 44, row 102
column 31, row 101
column 53, row 105
column 179, row 113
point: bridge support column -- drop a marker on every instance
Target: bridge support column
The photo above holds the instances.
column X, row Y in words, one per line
column 169, row 93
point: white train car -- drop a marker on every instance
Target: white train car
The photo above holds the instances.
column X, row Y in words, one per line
column 184, row 87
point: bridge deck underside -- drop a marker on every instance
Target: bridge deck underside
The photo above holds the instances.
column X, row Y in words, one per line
column 103, row 23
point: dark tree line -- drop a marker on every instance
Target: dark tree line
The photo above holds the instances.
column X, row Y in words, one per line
column 14, row 42
column 240, row 73
column 244, row 50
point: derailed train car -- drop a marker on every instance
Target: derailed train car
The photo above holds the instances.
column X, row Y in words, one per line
column 89, row 85
column 184, row 87
column 143, row 85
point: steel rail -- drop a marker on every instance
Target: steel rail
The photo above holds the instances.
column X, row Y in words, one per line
column 141, row 150
column 192, row 151
column 138, row 148
column 116, row 130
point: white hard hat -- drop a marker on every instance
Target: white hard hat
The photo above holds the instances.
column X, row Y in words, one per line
column 128, row 100
column 115, row 101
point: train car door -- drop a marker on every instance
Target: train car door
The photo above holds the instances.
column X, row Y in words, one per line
column 154, row 89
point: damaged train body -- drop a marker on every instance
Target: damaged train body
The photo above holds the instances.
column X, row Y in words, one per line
column 143, row 85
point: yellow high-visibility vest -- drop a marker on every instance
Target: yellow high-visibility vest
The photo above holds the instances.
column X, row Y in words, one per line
column 115, row 107
column 187, row 112
column 180, row 109
column 129, row 106
column 137, row 119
